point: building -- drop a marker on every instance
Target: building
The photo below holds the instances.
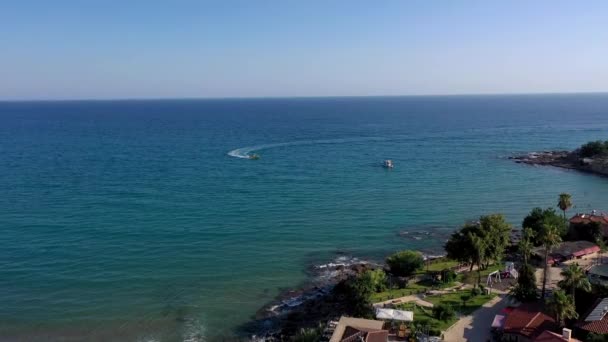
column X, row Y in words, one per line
column 567, row 250
column 595, row 216
column 596, row 320
column 351, row 329
column 549, row 336
column 598, row 275
column 526, row 322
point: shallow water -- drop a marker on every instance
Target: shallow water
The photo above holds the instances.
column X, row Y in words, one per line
column 132, row 219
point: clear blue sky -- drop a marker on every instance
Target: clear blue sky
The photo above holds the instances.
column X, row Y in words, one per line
column 132, row 49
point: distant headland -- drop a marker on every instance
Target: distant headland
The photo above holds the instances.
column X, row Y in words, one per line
column 591, row 157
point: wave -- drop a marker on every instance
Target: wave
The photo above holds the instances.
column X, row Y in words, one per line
column 246, row 152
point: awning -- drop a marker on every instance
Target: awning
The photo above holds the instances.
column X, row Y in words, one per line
column 499, row 321
column 397, row 315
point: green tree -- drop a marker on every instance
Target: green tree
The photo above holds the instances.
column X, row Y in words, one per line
column 591, row 231
column 562, row 307
column 593, row 148
column 538, row 218
column 309, row 335
column 496, row 236
column 574, row 279
column 405, row 263
column 525, row 289
column 480, row 243
column 377, row 278
column 459, row 246
column 443, row 312
column 564, row 203
column 525, row 245
column 465, row 298
column 357, row 291
column 550, row 238
column 479, row 253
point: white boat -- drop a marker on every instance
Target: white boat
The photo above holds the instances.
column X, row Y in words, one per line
column 388, row 164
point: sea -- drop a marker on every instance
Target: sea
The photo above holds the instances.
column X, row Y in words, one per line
column 146, row 220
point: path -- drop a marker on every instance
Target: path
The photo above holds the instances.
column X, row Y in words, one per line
column 476, row 327
column 406, row 299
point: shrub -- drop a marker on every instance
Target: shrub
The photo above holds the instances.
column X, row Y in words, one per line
column 594, row 148
column 448, row 276
column 475, row 291
column 405, row 263
column 443, row 312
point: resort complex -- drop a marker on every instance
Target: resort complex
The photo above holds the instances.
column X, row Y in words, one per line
column 545, row 282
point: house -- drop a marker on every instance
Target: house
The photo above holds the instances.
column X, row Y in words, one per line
column 526, row 322
column 598, row 274
column 351, row 329
column 567, row 250
column 596, row 320
column 549, row 336
column 595, row 216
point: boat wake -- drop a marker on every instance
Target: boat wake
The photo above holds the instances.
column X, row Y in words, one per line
column 247, row 152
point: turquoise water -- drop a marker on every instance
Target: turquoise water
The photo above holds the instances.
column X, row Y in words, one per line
column 130, row 220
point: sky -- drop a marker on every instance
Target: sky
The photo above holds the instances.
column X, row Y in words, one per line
column 255, row 48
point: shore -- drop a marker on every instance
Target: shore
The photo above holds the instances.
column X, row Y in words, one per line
column 565, row 159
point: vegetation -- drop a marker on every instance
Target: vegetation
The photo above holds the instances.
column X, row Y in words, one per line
column 564, row 203
column 593, row 149
column 405, row 263
column 591, row 231
column 309, row 334
column 574, row 279
column 443, row 312
column 549, row 238
column 597, row 338
column 562, row 306
column 480, row 243
column 525, row 289
column 359, row 292
column 539, row 218
column 525, row 245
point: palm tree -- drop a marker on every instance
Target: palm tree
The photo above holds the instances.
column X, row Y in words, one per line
column 562, row 306
column 574, row 279
column 564, row 203
column 525, row 245
column 479, row 253
column 549, row 238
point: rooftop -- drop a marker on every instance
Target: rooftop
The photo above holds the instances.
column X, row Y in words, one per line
column 596, row 320
column 588, row 218
column 548, row 336
column 569, row 249
column 350, row 328
column 528, row 320
column 599, row 270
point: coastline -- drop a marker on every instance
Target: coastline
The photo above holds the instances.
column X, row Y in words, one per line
column 570, row 160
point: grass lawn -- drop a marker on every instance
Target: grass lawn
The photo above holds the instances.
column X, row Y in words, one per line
column 424, row 315
column 455, row 301
column 439, row 265
column 412, row 288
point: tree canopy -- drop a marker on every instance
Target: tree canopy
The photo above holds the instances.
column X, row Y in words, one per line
column 405, row 263
column 594, row 148
column 539, row 218
column 481, row 242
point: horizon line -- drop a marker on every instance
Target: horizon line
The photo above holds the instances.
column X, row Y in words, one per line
column 294, row 97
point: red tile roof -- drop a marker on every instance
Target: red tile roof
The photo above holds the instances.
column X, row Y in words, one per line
column 588, row 218
column 598, row 327
column 528, row 320
column 548, row 336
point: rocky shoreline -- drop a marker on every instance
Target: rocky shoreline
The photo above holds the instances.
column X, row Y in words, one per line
column 319, row 300
column 565, row 159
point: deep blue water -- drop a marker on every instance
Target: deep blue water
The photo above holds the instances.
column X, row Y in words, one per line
column 129, row 219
